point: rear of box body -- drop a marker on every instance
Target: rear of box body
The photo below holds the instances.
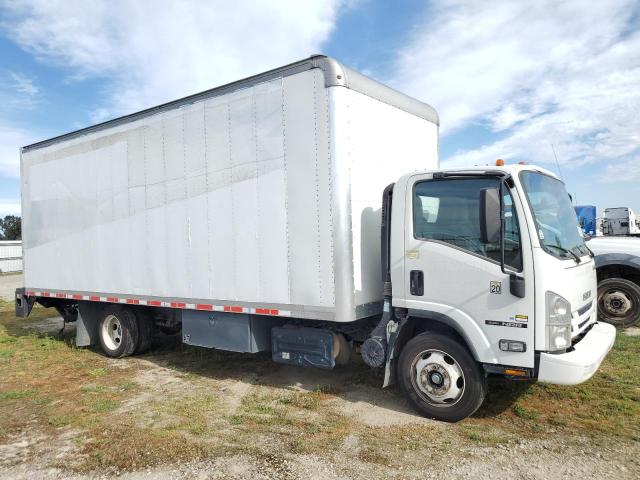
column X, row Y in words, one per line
column 265, row 196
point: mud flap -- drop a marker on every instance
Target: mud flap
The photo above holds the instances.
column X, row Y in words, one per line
column 394, row 330
column 24, row 304
column 87, row 324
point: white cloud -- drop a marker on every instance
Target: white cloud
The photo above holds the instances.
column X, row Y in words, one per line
column 24, row 85
column 628, row 171
column 538, row 73
column 18, row 91
column 9, row 206
column 154, row 51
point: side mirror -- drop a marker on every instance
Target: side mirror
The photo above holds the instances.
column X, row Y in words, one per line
column 490, row 221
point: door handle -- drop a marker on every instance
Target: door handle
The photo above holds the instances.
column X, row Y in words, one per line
column 416, row 283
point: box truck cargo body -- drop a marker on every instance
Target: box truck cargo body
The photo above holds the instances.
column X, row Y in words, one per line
column 620, row 221
column 302, row 212
column 264, row 194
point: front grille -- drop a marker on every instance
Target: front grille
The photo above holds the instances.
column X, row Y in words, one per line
column 580, row 325
column 585, row 308
column 580, row 336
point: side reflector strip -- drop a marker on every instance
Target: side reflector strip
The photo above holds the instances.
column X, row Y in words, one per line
column 158, row 303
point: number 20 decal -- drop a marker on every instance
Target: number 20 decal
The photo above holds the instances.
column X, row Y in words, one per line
column 495, row 287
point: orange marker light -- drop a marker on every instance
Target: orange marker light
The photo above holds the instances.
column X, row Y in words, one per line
column 515, row 373
column 499, row 162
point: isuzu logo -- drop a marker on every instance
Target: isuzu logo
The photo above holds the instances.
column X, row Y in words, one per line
column 586, row 295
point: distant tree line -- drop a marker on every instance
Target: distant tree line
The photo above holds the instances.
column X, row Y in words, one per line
column 10, row 228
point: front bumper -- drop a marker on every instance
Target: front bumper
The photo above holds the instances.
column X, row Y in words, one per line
column 581, row 363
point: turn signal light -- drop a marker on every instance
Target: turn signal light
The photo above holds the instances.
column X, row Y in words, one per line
column 512, row 346
column 499, row 162
column 514, row 372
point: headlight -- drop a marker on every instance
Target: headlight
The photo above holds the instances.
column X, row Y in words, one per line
column 558, row 322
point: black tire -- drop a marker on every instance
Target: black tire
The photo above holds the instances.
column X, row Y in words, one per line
column 470, row 381
column 145, row 332
column 170, row 329
column 619, row 302
column 124, row 325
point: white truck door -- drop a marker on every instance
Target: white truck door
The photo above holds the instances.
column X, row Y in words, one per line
column 451, row 273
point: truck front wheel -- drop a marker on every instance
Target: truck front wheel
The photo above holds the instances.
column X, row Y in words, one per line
column 118, row 332
column 619, row 301
column 440, row 377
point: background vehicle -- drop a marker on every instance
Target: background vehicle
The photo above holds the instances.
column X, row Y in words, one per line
column 618, row 268
column 258, row 215
column 587, row 218
column 620, row 221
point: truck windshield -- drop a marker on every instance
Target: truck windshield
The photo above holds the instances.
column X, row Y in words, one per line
column 556, row 220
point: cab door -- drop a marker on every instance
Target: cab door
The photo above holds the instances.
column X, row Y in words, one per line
column 452, row 275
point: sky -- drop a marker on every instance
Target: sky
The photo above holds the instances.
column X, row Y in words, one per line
column 552, row 83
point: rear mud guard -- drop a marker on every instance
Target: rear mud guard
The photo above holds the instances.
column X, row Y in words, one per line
column 394, row 329
column 87, row 324
column 24, row 304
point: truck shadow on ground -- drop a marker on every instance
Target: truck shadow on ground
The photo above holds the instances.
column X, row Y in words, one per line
column 355, row 383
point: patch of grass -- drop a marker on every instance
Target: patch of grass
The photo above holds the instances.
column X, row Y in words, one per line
column 16, row 394
column 98, row 372
column 372, row 455
column 485, row 436
column 474, row 435
column 304, row 400
column 525, row 413
column 60, row 420
column 139, row 448
column 236, row 419
column 197, row 428
column 94, row 389
column 6, row 354
column 104, row 405
column 126, row 386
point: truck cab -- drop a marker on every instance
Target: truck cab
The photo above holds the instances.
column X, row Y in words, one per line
column 489, row 274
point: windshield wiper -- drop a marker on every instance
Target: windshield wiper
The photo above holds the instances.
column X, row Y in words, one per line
column 591, row 254
column 576, row 258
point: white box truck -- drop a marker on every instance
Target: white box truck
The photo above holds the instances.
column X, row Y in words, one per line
column 302, row 212
column 620, row 221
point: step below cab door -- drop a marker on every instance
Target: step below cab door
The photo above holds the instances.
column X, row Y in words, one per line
column 452, row 275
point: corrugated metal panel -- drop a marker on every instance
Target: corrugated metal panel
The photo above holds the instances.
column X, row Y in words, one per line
column 244, row 198
column 10, row 256
column 212, row 200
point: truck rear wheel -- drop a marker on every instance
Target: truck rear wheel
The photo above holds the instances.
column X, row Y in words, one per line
column 118, row 332
column 440, row 377
column 145, row 332
column 619, row 302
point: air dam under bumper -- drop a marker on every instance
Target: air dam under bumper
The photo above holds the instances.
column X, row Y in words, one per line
column 579, row 365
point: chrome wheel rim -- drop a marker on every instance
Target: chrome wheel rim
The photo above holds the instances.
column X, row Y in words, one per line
column 437, row 378
column 112, row 332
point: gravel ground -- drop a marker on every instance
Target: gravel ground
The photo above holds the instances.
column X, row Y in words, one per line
column 530, row 460
column 8, row 285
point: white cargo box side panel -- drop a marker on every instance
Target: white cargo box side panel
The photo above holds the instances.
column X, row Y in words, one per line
column 375, row 144
column 225, row 199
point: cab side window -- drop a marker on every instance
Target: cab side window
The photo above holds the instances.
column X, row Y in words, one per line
column 448, row 211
